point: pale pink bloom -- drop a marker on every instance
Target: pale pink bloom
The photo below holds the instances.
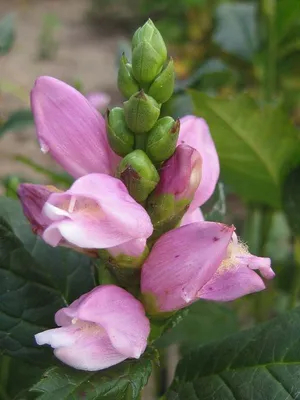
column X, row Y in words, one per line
column 71, row 129
column 200, row 260
column 191, row 217
column 194, row 132
column 180, row 175
column 102, row 328
column 96, row 212
column 98, row 100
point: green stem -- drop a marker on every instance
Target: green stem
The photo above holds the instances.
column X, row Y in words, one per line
column 140, row 141
column 296, row 283
column 270, row 81
column 258, row 225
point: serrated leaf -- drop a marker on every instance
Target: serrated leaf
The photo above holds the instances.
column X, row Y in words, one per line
column 262, row 363
column 7, row 33
column 257, row 147
column 36, row 280
column 16, row 121
column 121, row 382
column 291, row 200
column 237, row 30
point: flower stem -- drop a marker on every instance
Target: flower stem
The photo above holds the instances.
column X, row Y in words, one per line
column 296, row 282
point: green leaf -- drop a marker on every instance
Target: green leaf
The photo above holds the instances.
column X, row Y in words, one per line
column 121, row 382
column 287, row 15
column 16, row 121
column 27, row 375
column 205, row 321
column 7, row 33
column 257, row 147
column 36, row 279
column 237, row 30
column 261, row 363
column 291, row 200
column 216, row 205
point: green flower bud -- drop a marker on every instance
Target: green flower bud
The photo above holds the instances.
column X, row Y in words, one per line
column 163, row 86
column 141, row 112
column 149, row 53
column 162, row 139
column 120, row 138
column 123, row 260
column 138, row 174
column 126, row 82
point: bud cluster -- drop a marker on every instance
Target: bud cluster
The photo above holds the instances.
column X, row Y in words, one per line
column 136, row 132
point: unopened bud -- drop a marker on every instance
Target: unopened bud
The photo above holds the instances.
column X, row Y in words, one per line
column 163, row 86
column 141, row 112
column 162, row 139
column 149, row 53
column 126, row 82
column 120, row 138
column 138, row 174
column 179, row 179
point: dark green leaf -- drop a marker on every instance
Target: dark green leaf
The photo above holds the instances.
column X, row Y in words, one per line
column 27, row 298
column 7, row 33
column 216, row 205
column 205, row 321
column 257, row 147
column 17, row 121
column 237, row 30
column 36, row 280
column 121, row 382
column 16, row 378
column 291, row 200
column 262, row 364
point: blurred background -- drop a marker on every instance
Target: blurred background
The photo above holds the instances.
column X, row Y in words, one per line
column 237, row 65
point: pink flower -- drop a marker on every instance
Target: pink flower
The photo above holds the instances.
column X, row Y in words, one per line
column 195, row 133
column 96, row 212
column 200, row 260
column 98, row 100
column 71, row 129
column 33, row 197
column 180, row 175
column 102, row 328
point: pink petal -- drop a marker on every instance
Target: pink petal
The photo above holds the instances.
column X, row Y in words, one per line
column 180, row 175
column 99, row 100
column 133, row 248
column 121, row 315
column 70, row 128
column 96, row 212
column 82, row 346
column 92, row 354
column 191, row 217
column 195, row 133
column 231, row 284
column 182, row 261
column 33, row 198
column 263, row 264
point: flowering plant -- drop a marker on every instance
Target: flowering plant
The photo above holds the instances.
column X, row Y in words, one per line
column 116, row 259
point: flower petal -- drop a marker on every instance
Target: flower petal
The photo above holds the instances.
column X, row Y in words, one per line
column 195, row 133
column 99, row 100
column 231, row 284
column 96, row 212
column 70, row 128
column 182, row 261
column 33, row 198
column 191, row 217
column 121, row 315
column 82, row 346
